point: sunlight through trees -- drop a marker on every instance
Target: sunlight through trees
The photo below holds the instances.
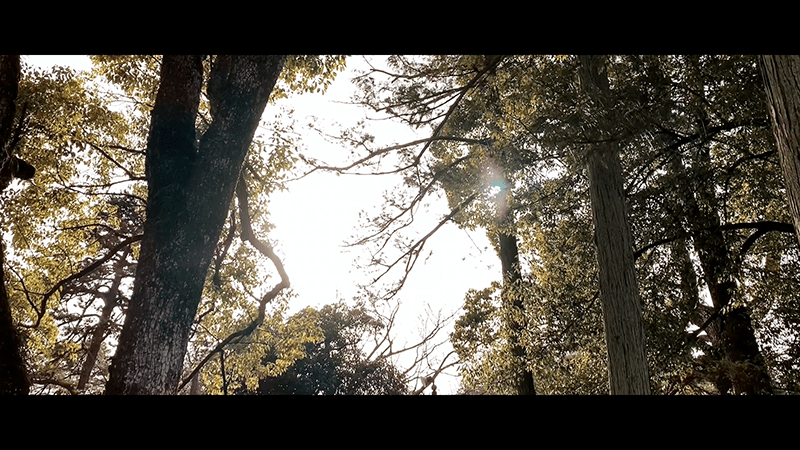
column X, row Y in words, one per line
column 638, row 221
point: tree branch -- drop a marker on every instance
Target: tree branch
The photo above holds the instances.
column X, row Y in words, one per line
column 88, row 269
column 412, row 254
column 265, row 249
column 761, row 229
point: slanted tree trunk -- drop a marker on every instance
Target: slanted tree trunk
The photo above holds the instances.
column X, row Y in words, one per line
column 190, row 188
column 13, row 375
column 110, row 300
column 732, row 333
column 622, row 310
column 781, row 75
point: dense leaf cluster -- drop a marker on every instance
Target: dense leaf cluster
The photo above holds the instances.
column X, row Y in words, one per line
column 337, row 365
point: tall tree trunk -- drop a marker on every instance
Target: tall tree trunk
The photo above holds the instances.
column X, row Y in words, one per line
column 189, row 192
column 781, row 75
column 622, row 310
column 731, row 335
column 511, row 295
column 509, row 258
column 13, row 376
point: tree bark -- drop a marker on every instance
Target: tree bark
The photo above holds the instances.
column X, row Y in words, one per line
column 13, row 375
column 512, row 297
column 190, row 188
column 732, row 334
column 627, row 359
column 781, row 75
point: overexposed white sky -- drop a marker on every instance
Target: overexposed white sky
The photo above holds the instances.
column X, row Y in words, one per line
column 319, row 213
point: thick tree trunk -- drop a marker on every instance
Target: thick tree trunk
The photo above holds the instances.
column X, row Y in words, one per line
column 781, row 75
column 13, row 376
column 190, row 190
column 627, row 359
column 731, row 335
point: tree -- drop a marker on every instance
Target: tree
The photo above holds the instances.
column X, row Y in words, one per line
column 716, row 257
column 681, row 143
column 337, row 365
column 190, row 186
column 13, row 375
column 781, row 75
column 431, row 91
column 75, row 232
column 627, row 360
column 418, row 103
column 69, row 223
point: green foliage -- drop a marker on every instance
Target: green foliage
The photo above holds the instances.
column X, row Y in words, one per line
column 285, row 339
column 699, row 164
column 308, row 73
column 336, row 364
column 697, row 155
column 85, row 133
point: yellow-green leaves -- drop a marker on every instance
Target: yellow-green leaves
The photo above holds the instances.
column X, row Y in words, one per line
column 308, row 73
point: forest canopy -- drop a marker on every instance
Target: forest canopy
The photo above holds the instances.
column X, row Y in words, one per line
column 643, row 211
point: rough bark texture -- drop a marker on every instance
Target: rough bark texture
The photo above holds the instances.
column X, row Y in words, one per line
column 627, row 360
column 781, row 75
column 189, row 191
column 13, row 375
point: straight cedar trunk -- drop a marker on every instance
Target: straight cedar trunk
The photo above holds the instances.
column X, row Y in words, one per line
column 781, row 75
column 512, row 277
column 13, row 375
column 190, row 187
column 509, row 258
column 622, row 311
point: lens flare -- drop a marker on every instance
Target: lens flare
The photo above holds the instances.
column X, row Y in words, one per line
column 493, row 179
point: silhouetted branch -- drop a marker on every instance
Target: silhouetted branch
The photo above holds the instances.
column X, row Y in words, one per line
column 266, row 249
column 88, row 269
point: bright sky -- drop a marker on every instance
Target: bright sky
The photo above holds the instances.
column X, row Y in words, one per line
column 321, row 212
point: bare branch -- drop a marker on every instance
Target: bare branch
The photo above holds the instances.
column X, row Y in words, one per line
column 761, row 229
column 116, row 163
column 412, row 254
column 88, row 269
column 55, row 382
column 383, row 151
